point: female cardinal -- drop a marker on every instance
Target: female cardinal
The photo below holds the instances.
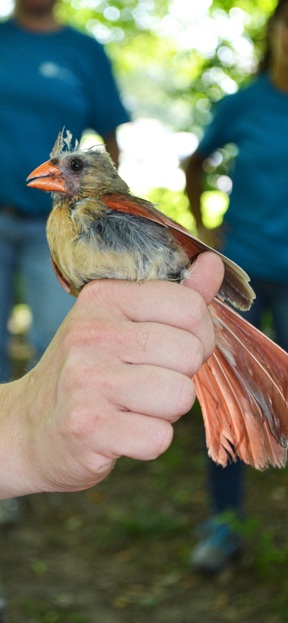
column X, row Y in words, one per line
column 97, row 230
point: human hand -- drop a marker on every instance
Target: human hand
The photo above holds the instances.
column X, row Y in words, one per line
column 113, row 380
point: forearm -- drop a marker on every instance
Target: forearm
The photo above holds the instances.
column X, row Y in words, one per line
column 194, row 187
column 17, row 476
column 112, row 147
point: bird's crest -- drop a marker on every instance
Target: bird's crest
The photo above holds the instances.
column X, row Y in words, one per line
column 63, row 143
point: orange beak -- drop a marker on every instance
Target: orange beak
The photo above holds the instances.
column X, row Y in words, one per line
column 50, row 177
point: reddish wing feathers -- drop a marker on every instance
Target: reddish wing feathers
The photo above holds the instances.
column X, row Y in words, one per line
column 244, row 400
column 235, row 287
column 133, row 205
column 64, row 283
column 242, row 388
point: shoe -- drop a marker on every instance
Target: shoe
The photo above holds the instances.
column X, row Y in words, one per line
column 218, row 546
column 2, row 606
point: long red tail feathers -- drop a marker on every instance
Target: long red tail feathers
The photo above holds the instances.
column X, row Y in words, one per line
column 243, row 392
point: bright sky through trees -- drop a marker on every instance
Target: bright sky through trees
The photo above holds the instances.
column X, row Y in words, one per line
column 174, row 60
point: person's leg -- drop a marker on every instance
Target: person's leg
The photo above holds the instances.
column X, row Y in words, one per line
column 225, row 486
column 218, row 543
column 278, row 299
column 7, row 267
column 44, row 294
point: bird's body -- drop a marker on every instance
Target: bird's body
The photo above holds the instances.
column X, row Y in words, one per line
column 97, row 230
column 109, row 244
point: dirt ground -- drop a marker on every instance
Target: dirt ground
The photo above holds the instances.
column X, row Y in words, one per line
column 119, row 553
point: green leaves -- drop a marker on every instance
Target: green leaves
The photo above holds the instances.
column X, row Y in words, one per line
column 171, row 51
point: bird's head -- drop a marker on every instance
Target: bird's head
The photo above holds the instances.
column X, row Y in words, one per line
column 77, row 172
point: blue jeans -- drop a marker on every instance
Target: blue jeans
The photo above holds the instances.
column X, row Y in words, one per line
column 24, row 250
column 226, row 485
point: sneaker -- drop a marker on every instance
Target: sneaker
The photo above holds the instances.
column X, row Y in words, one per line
column 218, row 546
column 2, row 606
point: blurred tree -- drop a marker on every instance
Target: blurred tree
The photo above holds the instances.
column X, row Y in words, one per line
column 174, row 60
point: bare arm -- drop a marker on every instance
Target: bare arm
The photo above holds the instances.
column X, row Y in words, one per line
column 194, row 186
column 115, row 377
column 194, row 190
column 112, row 147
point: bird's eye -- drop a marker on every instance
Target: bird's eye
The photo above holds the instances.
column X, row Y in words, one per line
column 76, row 164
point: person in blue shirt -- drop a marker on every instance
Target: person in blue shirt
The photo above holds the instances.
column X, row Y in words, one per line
column 254, row 234
column 51, row 76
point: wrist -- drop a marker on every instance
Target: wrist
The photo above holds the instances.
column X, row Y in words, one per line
column 16, row 477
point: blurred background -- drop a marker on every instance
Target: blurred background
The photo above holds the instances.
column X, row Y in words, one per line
column 173, row 60
column 119, row 552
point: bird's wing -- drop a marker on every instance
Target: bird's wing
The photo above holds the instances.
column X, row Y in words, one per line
column 243, row 393
column 235, row 287
column 64, row 283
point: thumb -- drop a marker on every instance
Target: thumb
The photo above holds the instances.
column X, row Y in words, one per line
column 205, row 275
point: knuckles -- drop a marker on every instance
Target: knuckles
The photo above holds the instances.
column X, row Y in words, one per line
column 102, row 292
column 201, row 324
column 181, row 397
column 197, row 310
column 73, row 378
column 195, row 357
column 79, row 423
column 106, row 338
column 83, row 332
column 95, row 332
column 159, row 442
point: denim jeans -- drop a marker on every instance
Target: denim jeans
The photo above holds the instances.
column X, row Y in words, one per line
column 24, row 250
column 226, row 485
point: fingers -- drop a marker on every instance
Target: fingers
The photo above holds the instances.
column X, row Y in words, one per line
column 145, row 343
column 206, row 275
column 109, row 342
column 148, row 301
column 118, row 372
column 153, row 347
column 167, row 304
column 170, row 394
column 147, row 438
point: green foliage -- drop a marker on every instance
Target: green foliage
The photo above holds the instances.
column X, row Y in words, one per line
column 270, row 559
column 38, row 567
column 161, row 74
column 147, row 522
column 41, row 612
column 214, row 205
column 174, row 204
column 166, row 72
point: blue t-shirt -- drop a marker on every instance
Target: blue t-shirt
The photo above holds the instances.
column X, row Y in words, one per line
column 48, row 81
column 256, row 120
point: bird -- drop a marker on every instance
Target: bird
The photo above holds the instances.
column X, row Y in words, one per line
column 97, row 229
